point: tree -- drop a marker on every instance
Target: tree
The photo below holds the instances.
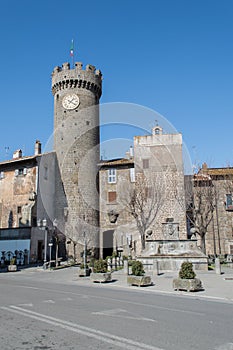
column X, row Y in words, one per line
column 200, row 200
column 143, row 200
column 59, row 239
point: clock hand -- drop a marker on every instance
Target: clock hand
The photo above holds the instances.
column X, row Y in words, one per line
column 72, row 102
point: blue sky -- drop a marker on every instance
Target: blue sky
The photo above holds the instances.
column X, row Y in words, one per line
column 171, row 56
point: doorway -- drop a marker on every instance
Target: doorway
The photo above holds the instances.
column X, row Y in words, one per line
column 40, row 248
column 107, row 243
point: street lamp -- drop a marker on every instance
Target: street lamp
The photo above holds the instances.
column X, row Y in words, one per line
column 85, row 254
column 42, row 224
column 55, row 224
column 50, row 252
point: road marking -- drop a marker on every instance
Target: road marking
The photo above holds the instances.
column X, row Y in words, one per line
column 228, row 346
column 118, row 313
column 76, row 328
column 27, row 287
column 49, row 301
column 29, row 304
column 122, row 301
column 66, row 299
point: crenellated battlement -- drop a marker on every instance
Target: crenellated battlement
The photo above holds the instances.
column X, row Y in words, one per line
column 77, row 67
column 64, row 77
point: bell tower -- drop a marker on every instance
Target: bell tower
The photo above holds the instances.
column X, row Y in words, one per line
column 76, row 142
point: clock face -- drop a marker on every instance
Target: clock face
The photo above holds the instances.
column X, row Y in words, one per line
column 70, row 101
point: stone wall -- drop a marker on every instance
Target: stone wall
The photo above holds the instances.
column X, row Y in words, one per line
column 219, row 236
column 164, row 167
column 17, row 193
column 114, row 217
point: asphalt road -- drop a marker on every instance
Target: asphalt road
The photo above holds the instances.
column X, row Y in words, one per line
column 40, row 311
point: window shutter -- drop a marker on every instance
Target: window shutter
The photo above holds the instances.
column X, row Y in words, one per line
column 16, row 172
column 112, row 196
column 132, row 174
column 25, row 171
column 229, row 204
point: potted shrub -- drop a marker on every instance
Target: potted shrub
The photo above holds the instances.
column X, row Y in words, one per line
column 187, row 279
column 12, row 267
column 84, row 271
column 138, row 277
column 100, row 273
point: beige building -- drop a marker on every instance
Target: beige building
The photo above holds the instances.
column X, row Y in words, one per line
column 219, row 236
column 154, row 167
column 27, row 189
column 18, row 189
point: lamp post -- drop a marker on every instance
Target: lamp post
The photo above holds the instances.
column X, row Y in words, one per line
column 55, row 224
column 50, row 252
column 85, row 254
column 42, row 224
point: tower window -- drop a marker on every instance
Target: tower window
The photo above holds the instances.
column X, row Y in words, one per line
column 87, row 123
column 46, row 173
column 112, row 176
column 19, row 210
column 145, row 163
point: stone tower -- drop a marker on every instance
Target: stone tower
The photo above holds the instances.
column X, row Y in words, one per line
column 76, row 143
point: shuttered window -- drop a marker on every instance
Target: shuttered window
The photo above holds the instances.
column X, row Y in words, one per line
column 229, row 202
column 111, row 196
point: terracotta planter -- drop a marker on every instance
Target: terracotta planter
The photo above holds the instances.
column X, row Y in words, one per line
column 140, row 281
column 12, row 268
column 101, row 277
column 190, row 285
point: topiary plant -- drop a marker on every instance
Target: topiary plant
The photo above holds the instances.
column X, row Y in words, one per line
column 186, row 271
column 13, row 261
column 137, row 268
column 100, row 266
column 114, row 254
column 82, row 266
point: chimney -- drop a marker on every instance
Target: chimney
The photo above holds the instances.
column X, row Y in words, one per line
column 131, row 151
column 37, row 148
column 204, row 167
column 127, row 155
column 17, row 154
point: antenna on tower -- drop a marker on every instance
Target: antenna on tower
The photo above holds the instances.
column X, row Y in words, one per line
column 72, row 52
